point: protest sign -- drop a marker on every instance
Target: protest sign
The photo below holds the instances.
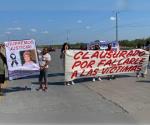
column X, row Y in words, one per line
column 21, row 58
column 80, row 63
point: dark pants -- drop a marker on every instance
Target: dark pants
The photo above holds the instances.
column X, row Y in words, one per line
column 43, row 75
column 2, row 79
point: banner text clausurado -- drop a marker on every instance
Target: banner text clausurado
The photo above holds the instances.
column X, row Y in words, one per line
column 97, row 63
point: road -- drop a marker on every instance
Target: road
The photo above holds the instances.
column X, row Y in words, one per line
column 84, row 102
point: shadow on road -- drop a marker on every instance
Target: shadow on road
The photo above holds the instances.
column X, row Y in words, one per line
column 123, row 76
column 15, row 89
column 49, row 75
column 76, row 81
column 50, row 83
column 55, row 74
column 81, row 80
column 145, row 81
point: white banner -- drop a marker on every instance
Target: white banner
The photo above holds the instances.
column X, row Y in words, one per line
column 79, row 63
column 21, row 58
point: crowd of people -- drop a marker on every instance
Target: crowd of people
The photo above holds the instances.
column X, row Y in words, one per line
column 66, row 46
column 44, row 61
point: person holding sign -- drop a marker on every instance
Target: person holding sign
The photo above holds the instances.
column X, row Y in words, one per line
column 142, row 73
column 2, row 71
column 97, row 47
column 65, row 47
column 44, row 60
column 110, row 77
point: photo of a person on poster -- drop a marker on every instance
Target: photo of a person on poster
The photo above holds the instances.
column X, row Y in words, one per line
column 28, row 59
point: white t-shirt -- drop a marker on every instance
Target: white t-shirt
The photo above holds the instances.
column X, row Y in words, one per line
column 44, row 58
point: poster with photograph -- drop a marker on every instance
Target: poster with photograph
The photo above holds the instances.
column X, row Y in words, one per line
column 21, row 58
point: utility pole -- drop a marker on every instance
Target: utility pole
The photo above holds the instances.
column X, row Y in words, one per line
column 116, row 26
column 68, row 35
column 8, row 35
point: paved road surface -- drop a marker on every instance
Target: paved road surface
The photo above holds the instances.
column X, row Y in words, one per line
column 83, row 102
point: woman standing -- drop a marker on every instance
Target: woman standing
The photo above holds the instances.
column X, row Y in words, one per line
column 65, row 47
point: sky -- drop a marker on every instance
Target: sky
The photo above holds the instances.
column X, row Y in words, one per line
column 57, row 21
